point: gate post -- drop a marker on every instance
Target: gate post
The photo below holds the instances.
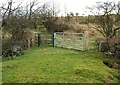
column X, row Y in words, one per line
column 39, row 40
column 85, row 40
column 54, row 39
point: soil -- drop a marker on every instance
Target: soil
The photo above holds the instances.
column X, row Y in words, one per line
column 112, row 65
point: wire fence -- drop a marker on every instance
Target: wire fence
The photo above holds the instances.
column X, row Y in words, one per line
column 44, row 39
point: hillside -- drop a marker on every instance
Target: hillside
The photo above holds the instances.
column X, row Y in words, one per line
column 58, row 66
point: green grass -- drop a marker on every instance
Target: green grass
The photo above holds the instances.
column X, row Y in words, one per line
column 0, row 71
column 57, row 65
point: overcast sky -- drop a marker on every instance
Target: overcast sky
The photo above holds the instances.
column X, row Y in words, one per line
column 75, row 6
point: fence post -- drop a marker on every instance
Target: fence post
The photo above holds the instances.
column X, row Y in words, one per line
column 54, row 39
column 28, row 43
column 63, row 43
column 0, row 41
column 85, row 40
column 39, row 40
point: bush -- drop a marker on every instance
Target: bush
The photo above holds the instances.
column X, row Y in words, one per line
column 12, row 50
column 104, row 47
column 97, row 43
column 115, row 50
column 111, row 46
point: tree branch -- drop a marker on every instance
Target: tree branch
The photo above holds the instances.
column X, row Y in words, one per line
column 114, row 32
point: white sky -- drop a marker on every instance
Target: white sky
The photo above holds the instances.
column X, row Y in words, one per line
column 75, row 6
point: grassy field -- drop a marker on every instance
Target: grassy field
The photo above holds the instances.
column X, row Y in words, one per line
column 0, row 71
column 57, row 65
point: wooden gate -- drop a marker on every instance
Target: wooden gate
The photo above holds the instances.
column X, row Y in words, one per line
column 70, row 40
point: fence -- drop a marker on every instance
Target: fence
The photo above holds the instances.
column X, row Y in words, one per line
column 43, row 39
column 77, row 41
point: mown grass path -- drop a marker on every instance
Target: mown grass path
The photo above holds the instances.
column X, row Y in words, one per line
column 57, row 65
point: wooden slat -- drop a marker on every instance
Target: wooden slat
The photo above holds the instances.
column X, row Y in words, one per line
column 70, row 40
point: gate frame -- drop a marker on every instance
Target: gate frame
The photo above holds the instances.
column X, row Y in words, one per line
column 84, row 39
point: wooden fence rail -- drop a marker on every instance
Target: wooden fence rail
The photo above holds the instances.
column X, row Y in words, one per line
column 69, row 40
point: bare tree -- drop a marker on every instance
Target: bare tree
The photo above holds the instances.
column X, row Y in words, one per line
column 106, row 18
column 17, row 23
